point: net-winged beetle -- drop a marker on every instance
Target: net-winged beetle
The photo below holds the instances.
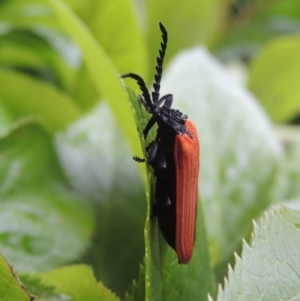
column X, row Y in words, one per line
column 174, row 157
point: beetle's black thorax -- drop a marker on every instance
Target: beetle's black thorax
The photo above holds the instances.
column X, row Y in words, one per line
column 170, row 121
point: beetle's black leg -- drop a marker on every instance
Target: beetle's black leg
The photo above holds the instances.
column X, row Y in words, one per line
column 168, row 99
column 159, row 66
column 149, row 125
column 138, row 159
column 156, row 157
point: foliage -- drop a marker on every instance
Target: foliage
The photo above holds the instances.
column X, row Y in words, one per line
column 74, row 213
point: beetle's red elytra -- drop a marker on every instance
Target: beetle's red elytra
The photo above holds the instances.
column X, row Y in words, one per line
column 186, row 154
column 174, row 157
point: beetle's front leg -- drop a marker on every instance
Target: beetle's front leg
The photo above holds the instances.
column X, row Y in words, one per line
column 155, row 157
column 138, row 159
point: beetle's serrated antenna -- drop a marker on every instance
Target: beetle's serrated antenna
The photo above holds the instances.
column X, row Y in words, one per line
column 146, row 99
column 159, row 66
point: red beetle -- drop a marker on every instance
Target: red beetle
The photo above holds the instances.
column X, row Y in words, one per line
column 174, row 157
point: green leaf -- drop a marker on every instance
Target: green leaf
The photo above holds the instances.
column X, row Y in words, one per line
column 289, row 8
column 25, row 222
column 5, row 118
column 104, row 75
column 123, row 40
column 186, row 25
column 239, row 153
column 39, row 51
column 34, row 199
column 81, row 7
column 79, row 283
column 274, row 77
column 99, row 66
column 11, row 288
column 40, row 290
column 15, row 53
column 269, row 268
column 36, row 98
column 27, row 159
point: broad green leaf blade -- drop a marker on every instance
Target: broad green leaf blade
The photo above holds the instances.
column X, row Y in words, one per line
column 123, row 40
column 79, row 283
column 188, row 23
column 25, row 13
column 5, row 118
column 61, row 54
column 25, row 96
column 269, row 269
column 94, row 144
column 81, row 7
column 27, row 159
column 288, row 8
column 239, row 152
column 275, row 76
column 39, row 51
column 165, row 278
column 99, row 66
column 34, row 199
column 57, row 15
column 25, row 238
column 14, row 53
column 11, row 288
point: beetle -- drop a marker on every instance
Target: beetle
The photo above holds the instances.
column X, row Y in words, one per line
column 174, row 157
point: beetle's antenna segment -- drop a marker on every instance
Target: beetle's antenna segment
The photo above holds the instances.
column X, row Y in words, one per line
column 146, row 99
column 159, row 66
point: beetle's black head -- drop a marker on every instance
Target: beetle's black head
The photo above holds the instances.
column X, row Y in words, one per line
column 172, row 120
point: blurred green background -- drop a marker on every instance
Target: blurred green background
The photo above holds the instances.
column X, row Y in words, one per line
column 70, row 192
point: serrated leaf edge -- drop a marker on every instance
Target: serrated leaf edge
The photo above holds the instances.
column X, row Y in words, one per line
column 257, row 227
